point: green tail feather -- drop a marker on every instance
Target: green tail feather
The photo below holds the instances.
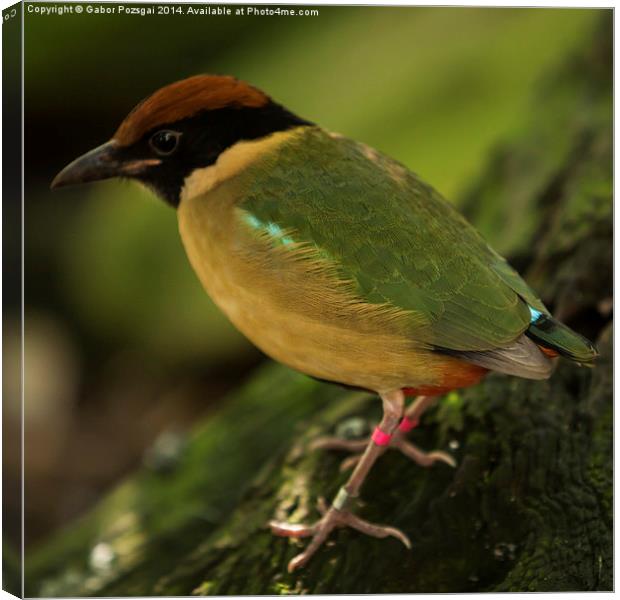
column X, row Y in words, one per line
column 548, row 332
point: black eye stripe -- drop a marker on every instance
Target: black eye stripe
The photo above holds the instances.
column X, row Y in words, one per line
column 165, row 142
column 201, row 139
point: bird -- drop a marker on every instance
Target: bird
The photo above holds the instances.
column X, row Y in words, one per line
column 335, row 260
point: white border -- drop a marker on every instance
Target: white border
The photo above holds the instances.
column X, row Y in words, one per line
column 481, row 3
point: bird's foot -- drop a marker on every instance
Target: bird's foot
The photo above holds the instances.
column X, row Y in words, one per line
column 332, row 518
column 398, row 442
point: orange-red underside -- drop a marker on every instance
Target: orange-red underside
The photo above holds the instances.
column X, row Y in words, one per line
column 464, row 376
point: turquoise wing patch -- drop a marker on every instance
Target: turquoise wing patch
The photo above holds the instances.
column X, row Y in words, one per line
column 392, row 236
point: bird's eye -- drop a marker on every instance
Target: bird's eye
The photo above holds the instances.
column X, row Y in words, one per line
column 165, row 142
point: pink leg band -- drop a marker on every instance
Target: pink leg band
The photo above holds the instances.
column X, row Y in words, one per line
column 380, row 437
column 407, row 424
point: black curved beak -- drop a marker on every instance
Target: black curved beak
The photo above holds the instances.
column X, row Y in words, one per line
column 100, row 163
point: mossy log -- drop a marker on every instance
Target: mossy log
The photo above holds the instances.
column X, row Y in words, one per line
column 529, row 506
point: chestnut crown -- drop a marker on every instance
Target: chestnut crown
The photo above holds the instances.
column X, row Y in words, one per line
column 181, row 127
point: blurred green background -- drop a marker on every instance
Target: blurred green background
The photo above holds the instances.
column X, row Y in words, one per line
column 123, row 348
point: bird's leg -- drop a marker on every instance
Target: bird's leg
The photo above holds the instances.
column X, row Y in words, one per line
column 415, row 411
column 409, row 421
column 338, row 515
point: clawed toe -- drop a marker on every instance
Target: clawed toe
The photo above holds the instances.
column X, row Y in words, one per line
column 350, row 462
column 336, row 443
column 424, row 459
column 331, row 519
column 365, row 452
column 444, row 457
column 378, row 531
column 398, row 442
column 292, row 530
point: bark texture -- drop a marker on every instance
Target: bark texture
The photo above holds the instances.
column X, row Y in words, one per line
column 529, row 507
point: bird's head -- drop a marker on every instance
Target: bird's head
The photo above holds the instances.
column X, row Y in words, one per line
column 180, row 128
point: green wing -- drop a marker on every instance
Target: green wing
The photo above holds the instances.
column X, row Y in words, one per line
column 392, row 235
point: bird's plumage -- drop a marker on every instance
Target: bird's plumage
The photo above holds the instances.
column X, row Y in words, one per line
column 330, row 256
column 340, row 262
column 554, row 336
column 184, row 99
column 333, row 259
column 393, row 237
